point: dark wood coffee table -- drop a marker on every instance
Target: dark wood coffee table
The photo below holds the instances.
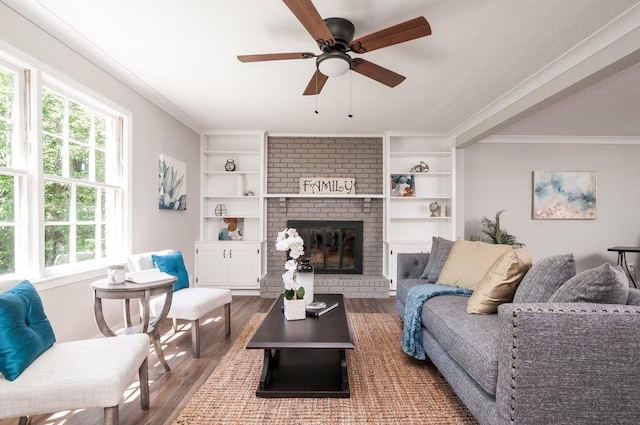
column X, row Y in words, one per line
column 304, row 358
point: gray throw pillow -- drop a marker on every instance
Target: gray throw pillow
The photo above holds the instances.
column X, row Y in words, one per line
column 606, row 284
column 544, row 278
column 435, row 241
column 444, row 247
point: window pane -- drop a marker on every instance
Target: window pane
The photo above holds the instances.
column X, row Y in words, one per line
column 5, row 143
column 52, row 155
column 8, row 82
column 79, row 122
column 56, row 245
column 78, row 161
column 100, row 166
column 103, row 239
column 57, row 197
column 7, row 250
column 52, row 112
column 85, row 242
column 101, row 130
column 7, row 212
column 86, row 203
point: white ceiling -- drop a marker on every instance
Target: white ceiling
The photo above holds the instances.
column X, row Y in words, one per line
column 182, row 56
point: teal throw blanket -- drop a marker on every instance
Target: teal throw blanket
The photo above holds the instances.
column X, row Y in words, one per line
column 411, row 334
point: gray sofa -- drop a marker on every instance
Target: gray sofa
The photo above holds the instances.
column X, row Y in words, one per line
column 533, row 363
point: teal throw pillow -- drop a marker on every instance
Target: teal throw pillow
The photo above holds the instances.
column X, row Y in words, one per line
column 174, row 265
column 25, row 331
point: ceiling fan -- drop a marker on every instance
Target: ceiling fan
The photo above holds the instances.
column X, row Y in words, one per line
column 334, row 37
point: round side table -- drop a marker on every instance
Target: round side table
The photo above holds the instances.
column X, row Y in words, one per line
column 143, row 292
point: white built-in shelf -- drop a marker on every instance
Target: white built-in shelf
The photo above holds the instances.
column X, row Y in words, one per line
column 229, row 197
column 419, row 154
column 298, row 195
column 419, row 217
column 211, row 217
column 427, row 174
column 419, row 198
column 229, row 173
column 238, row 152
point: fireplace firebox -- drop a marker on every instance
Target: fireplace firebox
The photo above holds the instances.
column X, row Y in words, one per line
column 332, row 246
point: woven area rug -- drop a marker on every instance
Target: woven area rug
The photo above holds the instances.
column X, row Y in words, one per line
column 387, row 386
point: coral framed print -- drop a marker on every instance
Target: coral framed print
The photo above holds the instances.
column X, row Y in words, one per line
column 172, row 184
column 231, row 229
column 564, row 195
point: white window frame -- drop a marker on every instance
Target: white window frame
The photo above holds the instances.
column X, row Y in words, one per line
column 29, row 211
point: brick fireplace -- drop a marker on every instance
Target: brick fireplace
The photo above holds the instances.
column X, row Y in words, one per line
column 288, row 159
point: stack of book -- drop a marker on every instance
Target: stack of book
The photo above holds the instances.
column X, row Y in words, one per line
column 319, row 308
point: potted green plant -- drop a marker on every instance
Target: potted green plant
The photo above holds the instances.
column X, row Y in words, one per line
column 497, row 234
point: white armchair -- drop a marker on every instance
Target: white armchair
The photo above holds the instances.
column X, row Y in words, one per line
column 192, row 303
column 80, row 374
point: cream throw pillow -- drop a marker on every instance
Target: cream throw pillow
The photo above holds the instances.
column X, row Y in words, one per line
column 468, row 262
column 500, row 282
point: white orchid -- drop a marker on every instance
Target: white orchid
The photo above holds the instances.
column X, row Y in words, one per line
column 289, row 279
column 290, row 240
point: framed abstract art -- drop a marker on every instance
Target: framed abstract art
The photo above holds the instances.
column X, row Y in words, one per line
column 562, row 195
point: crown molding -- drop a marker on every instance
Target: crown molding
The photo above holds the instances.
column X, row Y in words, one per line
column 611, row 49
column 561, row 140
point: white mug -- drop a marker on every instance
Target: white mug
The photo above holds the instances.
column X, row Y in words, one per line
column 115, row 274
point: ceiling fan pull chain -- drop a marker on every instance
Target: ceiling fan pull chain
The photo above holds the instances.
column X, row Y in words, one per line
column 350, row 97
column 316, row 75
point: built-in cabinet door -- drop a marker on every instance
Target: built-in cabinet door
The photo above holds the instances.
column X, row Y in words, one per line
column 227, row 264
column 243, row 266
column 211, row 265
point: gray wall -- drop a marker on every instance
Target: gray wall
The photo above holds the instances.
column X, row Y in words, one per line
column 153, row 132
column 499, row 176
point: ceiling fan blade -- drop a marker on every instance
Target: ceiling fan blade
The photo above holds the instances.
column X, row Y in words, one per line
column 409, row 30
column 275, row 56
column 376, row 72
column 315, row 85
column 309, row 17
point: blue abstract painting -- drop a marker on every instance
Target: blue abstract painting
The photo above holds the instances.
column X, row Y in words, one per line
column 564, row 195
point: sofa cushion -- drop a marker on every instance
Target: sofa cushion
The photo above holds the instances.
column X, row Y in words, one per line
column 435, row 241
column 174, row 265
column 468, row 262
column 471, row 340
column 440, row 249
column 544, row 278
column 444, row 248
column 25, row 331
column 500, row 282
column 634, row 297
column 605, row 284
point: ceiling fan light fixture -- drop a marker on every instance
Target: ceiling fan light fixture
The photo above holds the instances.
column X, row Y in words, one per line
column 333, row 64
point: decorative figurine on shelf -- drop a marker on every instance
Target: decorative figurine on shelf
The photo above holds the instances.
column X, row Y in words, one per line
column 221, row 210
column 230, row 165
column 249, row 193
column 422, row 167
column 434, row 207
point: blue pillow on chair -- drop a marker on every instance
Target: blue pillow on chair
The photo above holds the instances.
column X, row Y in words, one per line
column 174, row 265
column 25, row 331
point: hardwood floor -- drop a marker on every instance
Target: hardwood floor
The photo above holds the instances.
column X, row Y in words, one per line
column 170, row 391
